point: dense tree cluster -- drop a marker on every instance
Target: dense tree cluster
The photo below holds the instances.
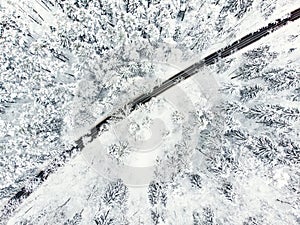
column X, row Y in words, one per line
column 64, row 67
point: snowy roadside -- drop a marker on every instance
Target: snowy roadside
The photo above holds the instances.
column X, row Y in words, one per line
column 243, row 129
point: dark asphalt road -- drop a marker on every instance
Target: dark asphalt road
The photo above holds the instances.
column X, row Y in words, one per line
column 247, row 40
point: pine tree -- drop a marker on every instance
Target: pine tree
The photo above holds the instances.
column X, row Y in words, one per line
column 236, row 135
column 196, row 218
column 238, row 8
column 281, row 78
column 119, row 150
column 248, row 93
column 104, row 219
column 196, row 180
column 227, row 190
column 295, row 96
column 252, row 221
column 273, row 115
column 255, row 61
column 157, row 194
column 208, row 216
column 157, row 217
column 76, row 219
column 116, row 193
column 291, row 151
column 267, row 8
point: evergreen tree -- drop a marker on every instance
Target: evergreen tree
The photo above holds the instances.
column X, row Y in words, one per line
column 116, row 193
column 157, row 194
column 196, row 180
column 255, row 61
column 76, row 219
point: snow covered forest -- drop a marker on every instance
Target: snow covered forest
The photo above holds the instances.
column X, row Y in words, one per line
column 220, row 148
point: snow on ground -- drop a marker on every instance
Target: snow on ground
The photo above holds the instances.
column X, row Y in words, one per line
column 193, row 155
column 147, row 132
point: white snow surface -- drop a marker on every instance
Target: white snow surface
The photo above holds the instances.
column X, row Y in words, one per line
column 175, row 136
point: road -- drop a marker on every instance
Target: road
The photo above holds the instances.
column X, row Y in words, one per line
column 96, row 131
